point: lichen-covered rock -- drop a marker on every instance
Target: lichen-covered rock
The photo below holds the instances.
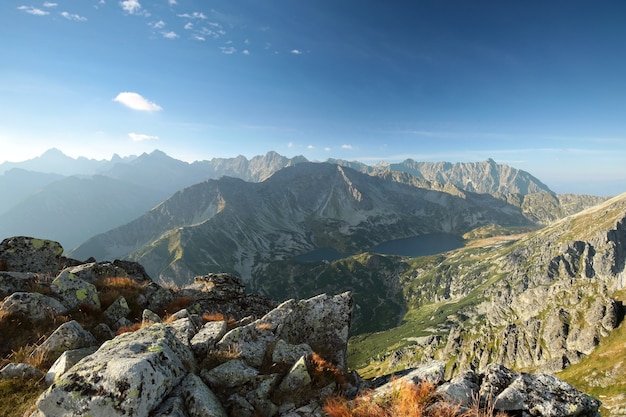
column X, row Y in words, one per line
column 129, row 375
column 462, row 389
column 118, row 310
column 74, row 291
column 149, row 317
column 230, row 374
column 94, row 271
column 432, row 372
column 68, row 359
column 171, row 407
column 33, row 306
column 20, row 370
column 11, row 282
column 67, row 336
column 207, row 337
column 546, row 396
column 322, row 322
column 297, row 378
column 199, row 400
column 156, row 296
column 285, row 353
column 28, row 254
column 184, row 329
column 102, row 332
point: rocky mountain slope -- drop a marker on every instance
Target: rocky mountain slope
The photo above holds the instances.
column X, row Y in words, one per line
column 283, row 361
column 236, row 226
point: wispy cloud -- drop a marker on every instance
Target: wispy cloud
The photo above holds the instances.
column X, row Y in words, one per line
column 346, row 146
column 310, row 147
column 327, row 149
column 74, row 17
column 189, row 26
column 245, row 52
column 33, row 10
column 133, row 7
column 296, row 52
column 194, row 15
column 138, row 137
column 169, row 35
column 290, row 145
column 198, row 38
column 157, row 25
column 50, row 4
column 172, row 2
column 136, row 102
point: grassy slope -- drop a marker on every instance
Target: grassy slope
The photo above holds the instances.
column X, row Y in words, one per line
column 603, row 373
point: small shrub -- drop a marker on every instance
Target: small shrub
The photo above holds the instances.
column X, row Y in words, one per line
column 206, row 317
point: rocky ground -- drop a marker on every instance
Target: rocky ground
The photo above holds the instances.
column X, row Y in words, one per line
column 104, row 340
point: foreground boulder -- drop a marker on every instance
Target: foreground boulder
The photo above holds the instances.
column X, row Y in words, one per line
column 128, row 376
column 28, row 254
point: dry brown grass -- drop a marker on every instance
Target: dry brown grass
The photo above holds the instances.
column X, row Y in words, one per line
column 206, row 317
column 405, row 399
column 129, row 329
column 323, row 372
column 176, row 305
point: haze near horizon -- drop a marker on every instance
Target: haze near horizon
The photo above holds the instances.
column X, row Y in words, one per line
column 535, row 86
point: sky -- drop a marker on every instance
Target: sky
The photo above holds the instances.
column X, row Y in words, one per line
column 536, row 84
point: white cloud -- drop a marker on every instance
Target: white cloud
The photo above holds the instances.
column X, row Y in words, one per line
column 169, row 35
column 198, row 38
column 245, row 52
column 310, row 147
column 50, row 4
column 290, row 145
column 132, row 7
column 296, row 52
column 194, row 15
column 346, row 146
column 171, row 2
column 33, row 10
column 136, row 102
column 74, row 17
column 137, row 137
column 158, row 25
column 189, row 26
column 228, row 50
column 327, row 149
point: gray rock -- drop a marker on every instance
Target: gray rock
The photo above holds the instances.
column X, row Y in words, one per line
column 297, row 378
column 94, row 271
column 34, row 306
column 118, row 310
column 67, row 336
column 285, row 353
column 432, row 372
column 129, row 375
column 172, row 407
column 20, row 370
column 103, row 332
column 74, row 291
column 462, row 389
column 251, row 342
column 28, row 254
column 11, row 282
column 546, row 396
column 184, row 329
column 149, row 317
column 229, row 374
column 218, row 286
column 200, row 401
column 207, row 337
column 68, row 359
column 156, row 296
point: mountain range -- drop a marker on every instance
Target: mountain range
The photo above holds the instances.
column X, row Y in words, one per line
column 40, row 195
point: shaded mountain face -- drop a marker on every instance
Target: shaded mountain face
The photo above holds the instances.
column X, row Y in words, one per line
column 236, row 226
column 72, row 209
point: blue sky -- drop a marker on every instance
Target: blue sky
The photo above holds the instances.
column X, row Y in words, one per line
column 539, row 85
